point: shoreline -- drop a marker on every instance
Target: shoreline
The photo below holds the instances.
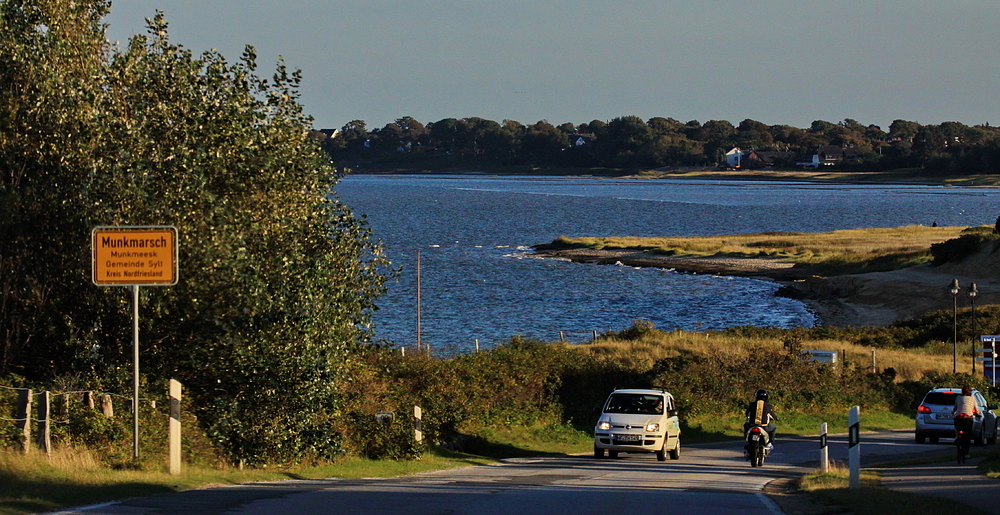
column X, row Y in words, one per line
column 701, row 173
column 872, row 299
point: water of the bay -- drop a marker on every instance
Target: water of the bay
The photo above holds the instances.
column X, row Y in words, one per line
column 479, row 281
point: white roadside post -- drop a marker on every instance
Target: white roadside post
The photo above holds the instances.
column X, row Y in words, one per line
column 418, row 433
column 854, row 446
column 174, row 436
column 824, row 452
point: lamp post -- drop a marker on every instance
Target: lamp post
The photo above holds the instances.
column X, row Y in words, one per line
column 973, row 291
column 954, row 341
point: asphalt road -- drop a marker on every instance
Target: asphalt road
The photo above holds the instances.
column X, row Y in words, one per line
column 709, row 478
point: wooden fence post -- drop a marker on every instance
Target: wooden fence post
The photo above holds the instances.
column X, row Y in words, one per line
column 45, row 422
column 88, row 399
column 24, row 418
column 174, row 437
column 107, row 407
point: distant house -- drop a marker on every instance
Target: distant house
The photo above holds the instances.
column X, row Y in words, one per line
column 829, row 155
column 734, row 157
column 579, row 140
column 737, row 158
column 766, row 159
column 323, row 134
column 330, row 133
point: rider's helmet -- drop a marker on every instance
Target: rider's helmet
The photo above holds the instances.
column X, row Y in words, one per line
column 760, row 395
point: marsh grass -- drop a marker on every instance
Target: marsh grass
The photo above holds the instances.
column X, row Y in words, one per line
column 841, row 251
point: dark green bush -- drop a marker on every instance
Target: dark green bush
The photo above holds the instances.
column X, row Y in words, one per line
column 91, row 428
column 971, row 240
column 390, row 438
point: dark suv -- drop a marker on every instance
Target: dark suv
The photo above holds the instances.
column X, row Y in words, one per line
column 935, row 419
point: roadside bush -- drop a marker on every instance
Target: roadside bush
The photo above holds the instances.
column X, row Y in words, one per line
column 516, row 383
column 390, row 438
column 91, row 428
column 725, row 383
column 935, row 326
column 971, row 241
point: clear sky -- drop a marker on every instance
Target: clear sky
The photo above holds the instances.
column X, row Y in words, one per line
column 774, row 61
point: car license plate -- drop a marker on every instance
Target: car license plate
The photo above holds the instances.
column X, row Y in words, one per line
column 945, row 416
column 628, row 438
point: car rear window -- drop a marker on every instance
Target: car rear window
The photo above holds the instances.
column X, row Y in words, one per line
column 635, row 403
column 939, row 398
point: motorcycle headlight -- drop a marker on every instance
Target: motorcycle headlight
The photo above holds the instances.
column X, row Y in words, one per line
column 652, row 427
column 604, row 426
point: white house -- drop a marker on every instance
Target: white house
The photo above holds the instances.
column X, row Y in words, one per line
column 734, row 157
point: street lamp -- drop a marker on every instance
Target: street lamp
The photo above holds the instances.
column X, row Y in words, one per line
column 954, row 341
column 973, row 291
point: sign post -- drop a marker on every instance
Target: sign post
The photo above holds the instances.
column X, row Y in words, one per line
column 134, row 256
column 989, row 358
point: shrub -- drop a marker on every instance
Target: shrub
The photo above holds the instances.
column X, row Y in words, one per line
column 971, row 241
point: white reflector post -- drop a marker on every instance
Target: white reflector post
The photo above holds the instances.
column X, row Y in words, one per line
column 854, row 446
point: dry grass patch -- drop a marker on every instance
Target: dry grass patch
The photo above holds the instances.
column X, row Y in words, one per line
column 641, row 354
column 914, row 240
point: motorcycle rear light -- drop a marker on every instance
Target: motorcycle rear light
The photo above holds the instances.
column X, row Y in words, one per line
column 755, row 430
column 923, row 409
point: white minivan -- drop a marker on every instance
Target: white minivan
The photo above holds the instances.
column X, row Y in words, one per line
column 638, row 421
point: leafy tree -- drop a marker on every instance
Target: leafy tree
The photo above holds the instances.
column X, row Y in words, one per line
column 444, row 134
column 662, row 126
column 754, row 134
column 542, row 143
column 49, row 132
column 414, row 132
column 622, row 140
column 903, row 130
column 278, row 279
column 350, row 139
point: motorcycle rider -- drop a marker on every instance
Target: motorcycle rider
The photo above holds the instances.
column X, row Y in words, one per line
column 760, row 413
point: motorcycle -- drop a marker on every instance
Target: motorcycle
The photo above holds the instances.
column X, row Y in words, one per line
column 758, row 445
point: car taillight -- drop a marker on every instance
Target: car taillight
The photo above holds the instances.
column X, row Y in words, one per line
column 923, row 409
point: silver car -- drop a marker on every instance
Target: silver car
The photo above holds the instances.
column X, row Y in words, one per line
column 935, row 419
column 638, row 421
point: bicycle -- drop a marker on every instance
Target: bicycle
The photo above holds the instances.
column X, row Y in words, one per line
column 962, row 444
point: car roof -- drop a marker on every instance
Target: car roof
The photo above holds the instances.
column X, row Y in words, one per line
column 949, row 390
column 642, row 391
column 955, row 391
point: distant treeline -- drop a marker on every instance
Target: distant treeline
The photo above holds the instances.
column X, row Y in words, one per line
column 950, row 148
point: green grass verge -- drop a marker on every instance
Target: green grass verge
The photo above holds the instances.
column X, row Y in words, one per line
column 33, row 484
column 833, row 488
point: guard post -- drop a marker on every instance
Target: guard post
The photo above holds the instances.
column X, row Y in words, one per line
column 854, row 446
column 174, row 429
column 418, row 433
column 824, row 452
